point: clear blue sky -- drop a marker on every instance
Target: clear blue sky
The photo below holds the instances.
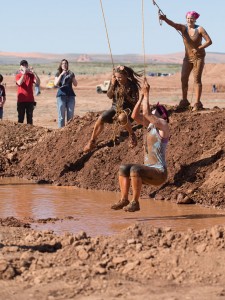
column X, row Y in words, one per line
column 77, row 26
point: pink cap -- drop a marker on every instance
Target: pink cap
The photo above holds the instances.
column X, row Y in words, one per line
column 193, row 14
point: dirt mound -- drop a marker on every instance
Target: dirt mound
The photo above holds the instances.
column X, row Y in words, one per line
column 138, row 263
column 195, row 156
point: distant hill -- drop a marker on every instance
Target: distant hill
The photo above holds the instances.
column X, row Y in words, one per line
column 173, row 58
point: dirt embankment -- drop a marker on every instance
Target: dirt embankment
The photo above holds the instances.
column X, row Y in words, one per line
column 195, row 156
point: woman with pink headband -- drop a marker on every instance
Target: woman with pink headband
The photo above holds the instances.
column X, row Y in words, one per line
column 154, row 169
column 194, row 55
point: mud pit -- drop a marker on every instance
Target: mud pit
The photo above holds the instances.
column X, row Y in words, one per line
column 140, row 262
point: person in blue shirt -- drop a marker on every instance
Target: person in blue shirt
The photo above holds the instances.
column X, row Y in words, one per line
column 154, row 169
column 64, row 80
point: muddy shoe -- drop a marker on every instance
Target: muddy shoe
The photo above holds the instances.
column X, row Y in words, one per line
column 197, row 106
column 132, row 206
column 90, row 146
column 184, row 103
column 133, row 140
column 120, row 204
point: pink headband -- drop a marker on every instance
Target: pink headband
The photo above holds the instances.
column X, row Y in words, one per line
column 162, row 111
column 193, row 14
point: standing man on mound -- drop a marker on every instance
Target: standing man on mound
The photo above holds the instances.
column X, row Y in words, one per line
column 154, row 170
column 194, row 55
column 124, row 92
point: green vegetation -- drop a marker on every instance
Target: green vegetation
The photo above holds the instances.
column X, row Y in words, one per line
column 92, row 68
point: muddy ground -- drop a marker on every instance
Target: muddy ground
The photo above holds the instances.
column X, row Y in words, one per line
column 141, row 262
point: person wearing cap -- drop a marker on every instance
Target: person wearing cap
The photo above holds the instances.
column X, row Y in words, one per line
column 194, row 55
column 154, row 169
column 25, row 80
column 124, row 92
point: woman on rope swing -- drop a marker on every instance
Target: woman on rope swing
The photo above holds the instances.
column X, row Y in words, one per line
column 124, row 92
column 154, row 170
column 194, row 55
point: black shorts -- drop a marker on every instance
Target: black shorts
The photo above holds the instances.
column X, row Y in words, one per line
column 149, row 175
column 107, row 116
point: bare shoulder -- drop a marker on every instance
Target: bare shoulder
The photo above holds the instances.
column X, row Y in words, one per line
column 164, row 129
column 201, row 29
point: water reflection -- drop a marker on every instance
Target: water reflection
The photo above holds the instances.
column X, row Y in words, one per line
column 91, row 209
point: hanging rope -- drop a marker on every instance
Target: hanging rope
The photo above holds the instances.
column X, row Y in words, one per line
column 107, row 33
column 159, row 11
column 119, row 110
column 143, row 36
column 144, row 61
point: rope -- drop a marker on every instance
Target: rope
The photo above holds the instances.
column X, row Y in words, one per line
column 107, row 33
column 143, row 36
column 119, row 110
column 144, row 60
column 115, row 119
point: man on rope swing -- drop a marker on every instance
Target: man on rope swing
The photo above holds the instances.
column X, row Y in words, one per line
column 194, row 55
column 154, row 170
column 124, row 92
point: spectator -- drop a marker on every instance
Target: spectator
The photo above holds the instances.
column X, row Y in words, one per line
column 64, row 79
column 2, row 97
column 214, row 88
column 25, row 97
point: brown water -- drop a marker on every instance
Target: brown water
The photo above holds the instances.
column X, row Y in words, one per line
column 91, row 209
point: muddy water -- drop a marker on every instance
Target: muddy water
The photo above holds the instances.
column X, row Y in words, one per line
column 90, row 210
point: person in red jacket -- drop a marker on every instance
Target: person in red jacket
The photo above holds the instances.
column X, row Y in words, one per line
column 25, row 80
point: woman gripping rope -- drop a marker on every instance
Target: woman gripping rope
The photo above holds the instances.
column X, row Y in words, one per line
column 154, row 169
